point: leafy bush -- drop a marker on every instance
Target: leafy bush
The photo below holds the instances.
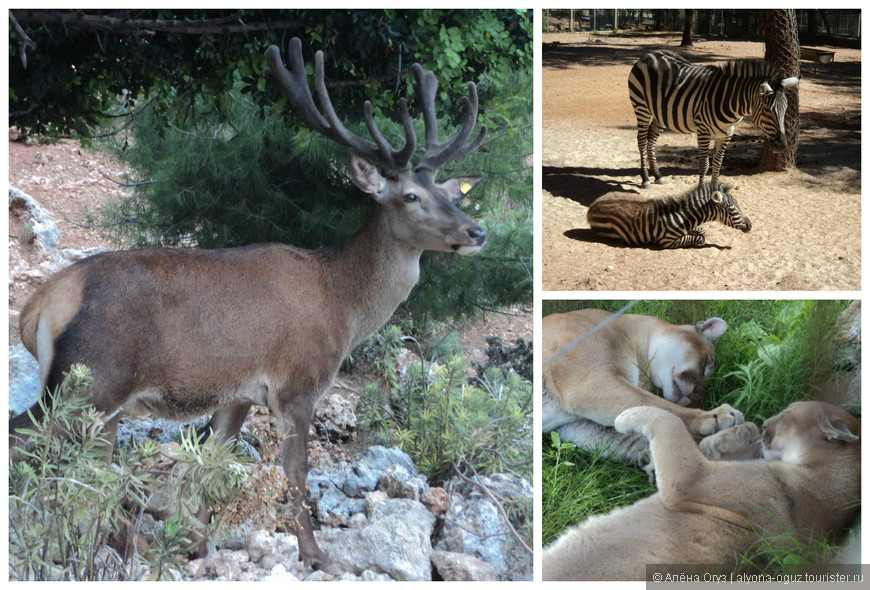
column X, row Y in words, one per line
column 447, row 423
column 72, row 516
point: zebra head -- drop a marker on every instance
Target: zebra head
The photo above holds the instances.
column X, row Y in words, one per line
column 769, row 111
column 729, row 210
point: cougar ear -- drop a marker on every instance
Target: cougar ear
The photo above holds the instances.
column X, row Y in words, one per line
column 836, row 430
column 712, row 329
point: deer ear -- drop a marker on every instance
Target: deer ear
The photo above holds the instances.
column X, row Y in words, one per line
column 461, row 185
column 366, row 176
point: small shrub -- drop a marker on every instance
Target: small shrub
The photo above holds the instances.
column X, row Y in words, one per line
column 72, row 516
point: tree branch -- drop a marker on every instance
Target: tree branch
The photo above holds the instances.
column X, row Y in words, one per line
column 26, row 42
column 215, row 26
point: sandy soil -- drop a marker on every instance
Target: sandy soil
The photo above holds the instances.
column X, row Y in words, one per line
column 806, row 222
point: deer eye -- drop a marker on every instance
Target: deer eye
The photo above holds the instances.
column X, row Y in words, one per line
column 411, row 198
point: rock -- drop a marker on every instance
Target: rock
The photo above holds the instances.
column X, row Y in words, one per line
column 473, row 525
column 396, row 542
column 336, row 416
column 374, row 498
column 42, row 224
column 24, row 381
column 398, row 482
column 435, row 500
column 458, row 567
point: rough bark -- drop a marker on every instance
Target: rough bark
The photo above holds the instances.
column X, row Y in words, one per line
column 782, row 50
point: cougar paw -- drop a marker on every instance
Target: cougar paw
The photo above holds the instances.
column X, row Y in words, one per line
column 638, row 419
column 735, row 443
column 719, row 419
column 631, row 420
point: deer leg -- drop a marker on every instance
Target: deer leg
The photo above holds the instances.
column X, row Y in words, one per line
column 295, row 422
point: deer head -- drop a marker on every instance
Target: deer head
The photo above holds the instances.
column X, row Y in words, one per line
column 422, row 210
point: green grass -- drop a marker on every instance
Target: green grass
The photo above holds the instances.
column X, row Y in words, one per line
column 774, row 353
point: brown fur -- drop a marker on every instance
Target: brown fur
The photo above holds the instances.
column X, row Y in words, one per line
column 707, row 512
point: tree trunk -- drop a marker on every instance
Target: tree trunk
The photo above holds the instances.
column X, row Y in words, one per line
column 782, row 51
column 687, row 28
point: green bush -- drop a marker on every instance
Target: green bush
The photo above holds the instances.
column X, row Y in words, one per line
column 449, row 424
column 72, row 516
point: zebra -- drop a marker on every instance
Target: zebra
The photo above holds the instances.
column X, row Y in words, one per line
column 669, row 222
column 669, row 92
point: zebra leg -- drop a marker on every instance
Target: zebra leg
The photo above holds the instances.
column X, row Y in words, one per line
column 703, row 157
column 719, row 146
column 655, row 130
column 641, row 146
column 695, row 237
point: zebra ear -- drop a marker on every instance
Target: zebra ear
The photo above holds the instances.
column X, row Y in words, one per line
column 716, row 197
column 790, row 81
column 766, row 89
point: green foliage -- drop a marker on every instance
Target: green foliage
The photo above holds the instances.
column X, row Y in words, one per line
column 774, row 353
column 484, row 427
column 72, row 516
column 229, row 177
column 78, row 74
column 577, row 485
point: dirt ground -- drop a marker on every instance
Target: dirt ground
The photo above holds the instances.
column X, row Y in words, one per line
column 806, row 222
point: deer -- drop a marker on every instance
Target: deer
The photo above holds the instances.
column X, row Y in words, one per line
column 183, row 332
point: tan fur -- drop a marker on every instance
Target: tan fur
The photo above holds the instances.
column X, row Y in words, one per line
column 585, row 389
column 808, row 485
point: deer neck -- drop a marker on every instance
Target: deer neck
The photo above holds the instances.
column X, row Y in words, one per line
column 373, row 273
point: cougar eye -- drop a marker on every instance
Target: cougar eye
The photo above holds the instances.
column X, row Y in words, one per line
column 411, row 198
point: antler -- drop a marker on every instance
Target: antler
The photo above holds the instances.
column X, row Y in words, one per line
column 328, row 124
column 380, row 152
column 439, row 153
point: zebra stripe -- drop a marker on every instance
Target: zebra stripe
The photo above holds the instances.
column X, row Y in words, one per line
column 669, row 92
column 671, row 222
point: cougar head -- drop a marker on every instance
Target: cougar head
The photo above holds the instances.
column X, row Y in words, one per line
column 796, row 434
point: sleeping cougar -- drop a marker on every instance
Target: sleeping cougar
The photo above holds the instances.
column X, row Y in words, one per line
column 808, row 485
column 616, row 368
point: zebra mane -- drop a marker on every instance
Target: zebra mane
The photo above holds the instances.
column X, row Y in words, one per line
column 750, row 68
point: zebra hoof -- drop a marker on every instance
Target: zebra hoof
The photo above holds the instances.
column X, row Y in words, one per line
column 645, row 184
column 661, row 181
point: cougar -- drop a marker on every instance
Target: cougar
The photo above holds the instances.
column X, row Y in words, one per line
column 808, row 485
column 616, row 368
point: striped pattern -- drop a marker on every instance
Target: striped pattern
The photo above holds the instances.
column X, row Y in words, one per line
column 671, row 222
column 669, row 92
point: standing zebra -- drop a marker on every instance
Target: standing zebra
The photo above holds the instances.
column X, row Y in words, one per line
column 670, row 222
column 669, row 92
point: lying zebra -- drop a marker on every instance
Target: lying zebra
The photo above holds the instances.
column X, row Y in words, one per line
column 669, row 222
